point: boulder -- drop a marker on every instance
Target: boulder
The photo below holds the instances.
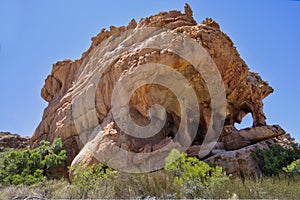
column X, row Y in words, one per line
column 239, row 162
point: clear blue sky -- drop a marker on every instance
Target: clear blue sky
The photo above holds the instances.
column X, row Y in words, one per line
column 35, row 34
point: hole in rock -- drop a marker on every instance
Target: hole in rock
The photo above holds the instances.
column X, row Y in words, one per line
column 247, row 122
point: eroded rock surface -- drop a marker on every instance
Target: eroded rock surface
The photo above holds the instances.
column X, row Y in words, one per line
column 9, row 141
column 244, row 92
column 239, row 161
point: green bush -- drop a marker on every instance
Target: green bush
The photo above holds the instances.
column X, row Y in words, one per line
column 293, row 168
column 271, row 161
column 87, row 178
column 28, row 166
column 192, row 174
column 186, row 177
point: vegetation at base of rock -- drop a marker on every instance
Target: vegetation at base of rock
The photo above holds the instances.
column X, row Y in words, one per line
column 293, row 168
column 160, row 185
column 192, row 174
column 272, row 160
column 29, row 166
column 186, row 177
column 87, row 178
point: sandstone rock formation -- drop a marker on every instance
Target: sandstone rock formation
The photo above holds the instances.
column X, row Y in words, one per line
column 244, row 91
column 9, row 141
column 239, row 161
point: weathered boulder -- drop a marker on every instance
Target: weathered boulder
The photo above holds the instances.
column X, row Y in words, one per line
column 9, row 141
column 239, row 162
column 110, row 149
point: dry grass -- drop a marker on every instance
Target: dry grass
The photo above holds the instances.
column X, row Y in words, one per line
column 278, row 187
column 160, row 185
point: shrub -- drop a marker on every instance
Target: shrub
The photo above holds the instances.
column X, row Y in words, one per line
column 192, row 174
column 28, row 166
column 99, row 181
column 186, row 177
column 271, row 161
column 293, row 168
column 87, row 178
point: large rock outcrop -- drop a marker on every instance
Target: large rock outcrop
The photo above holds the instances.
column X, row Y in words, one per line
column 244, row 92
column 9, row 141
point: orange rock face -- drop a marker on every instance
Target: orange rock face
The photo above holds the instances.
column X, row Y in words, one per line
column 244, row 92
